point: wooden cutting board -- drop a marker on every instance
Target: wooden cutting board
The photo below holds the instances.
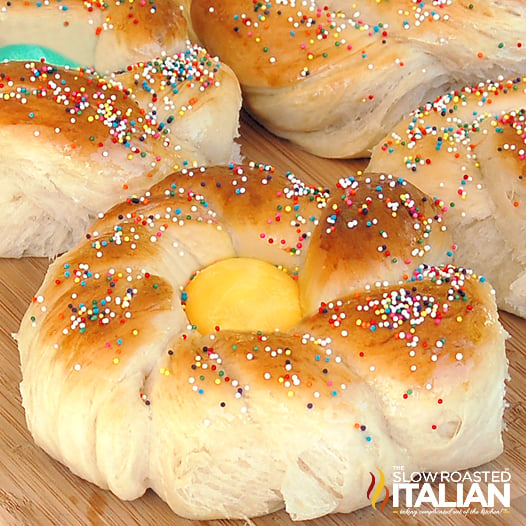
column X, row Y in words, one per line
column 35, row 490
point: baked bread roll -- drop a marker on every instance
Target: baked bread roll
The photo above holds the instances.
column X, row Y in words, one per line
column 467, row 148
column 126, row 389
column 107, row 36
column 73, row 143
column 335, row 80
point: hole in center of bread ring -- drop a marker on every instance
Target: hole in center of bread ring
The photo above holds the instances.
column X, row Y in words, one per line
column 242, row 294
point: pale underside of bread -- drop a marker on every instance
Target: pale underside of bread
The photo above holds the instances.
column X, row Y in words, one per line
column 345, row 124
column 467, row 148
column 63, row 161
column 408, row 372
column 107, row 36
column 335, row 82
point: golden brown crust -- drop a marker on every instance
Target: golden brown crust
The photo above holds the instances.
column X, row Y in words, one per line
column 42, row 96
column 143, row 23
column 268, row 213
column 257, row 33
column 408, row 334
column 263, row 213
column 396, row 227
column 279, row 43
column 98, row 334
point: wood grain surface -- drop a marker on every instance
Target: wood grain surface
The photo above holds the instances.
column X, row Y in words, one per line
column 35, row 490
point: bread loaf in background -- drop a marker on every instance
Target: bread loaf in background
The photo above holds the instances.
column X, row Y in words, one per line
column 334, row 76
column 467, row 148
column 73, row 143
